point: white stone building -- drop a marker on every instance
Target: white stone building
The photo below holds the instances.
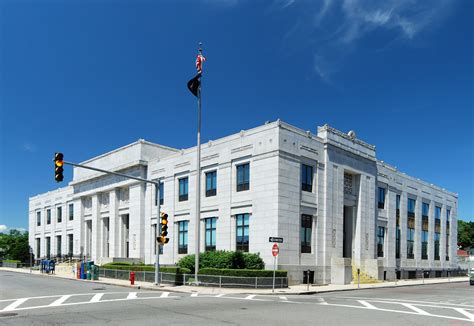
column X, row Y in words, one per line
column 337, row 207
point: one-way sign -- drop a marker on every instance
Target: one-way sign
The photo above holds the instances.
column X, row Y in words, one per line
column 275, row 239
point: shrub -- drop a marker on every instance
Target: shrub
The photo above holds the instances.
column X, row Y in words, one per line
column 241, row 272
column 223, row 259
column 187, row 262
column 253, row 261
column 147, row 268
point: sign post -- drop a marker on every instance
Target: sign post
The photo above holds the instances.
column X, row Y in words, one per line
column 275, row 251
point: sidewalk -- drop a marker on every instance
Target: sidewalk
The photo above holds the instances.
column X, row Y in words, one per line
column 294, row 289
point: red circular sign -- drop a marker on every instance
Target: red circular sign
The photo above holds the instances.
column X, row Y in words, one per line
column 275, row 250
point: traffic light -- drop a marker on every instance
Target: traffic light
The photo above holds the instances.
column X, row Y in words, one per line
column 162, row 239
column 58, row 167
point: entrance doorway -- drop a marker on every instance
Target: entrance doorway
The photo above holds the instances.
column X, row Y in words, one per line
column 348, row 232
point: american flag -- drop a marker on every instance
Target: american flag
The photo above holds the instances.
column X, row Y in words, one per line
column 199, row 61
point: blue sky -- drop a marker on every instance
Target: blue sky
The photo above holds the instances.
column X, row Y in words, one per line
column 86, row 77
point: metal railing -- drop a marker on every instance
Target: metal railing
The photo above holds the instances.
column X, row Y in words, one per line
column 204, row 280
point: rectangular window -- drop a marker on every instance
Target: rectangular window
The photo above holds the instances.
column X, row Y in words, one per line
column 306, row 177
column 411, row 207
column 436, row 246
column 48, row 247
column 70, row 246
column 58, row 245
column 211, row 183
column 162, row 192
column 381, row 197
column 71, row 212
column 424, row 238
column 397, row 244
column 437, row 231
column 380, row 240
column 211, row 233
column 38, row 248
column 305, row 233
column 183, row 237
column 48, row 216
column 425, row 209
column 397, row 205
column 38, row 218
column 410, row 237
column 242, row 232
column 448, row 213
column 183, row 189
column 437, row 212
column 59, row 214
column 243, row 177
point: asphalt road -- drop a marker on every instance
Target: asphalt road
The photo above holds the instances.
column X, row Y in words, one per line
column 40, row 300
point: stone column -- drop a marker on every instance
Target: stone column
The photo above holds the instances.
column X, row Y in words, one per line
column 403, row 229
column 390, row 235
column 96, row 228
column 137, row 221
column 431, row 231
column 442, row 238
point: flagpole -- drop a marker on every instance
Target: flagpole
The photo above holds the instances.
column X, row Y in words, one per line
column 198, row 182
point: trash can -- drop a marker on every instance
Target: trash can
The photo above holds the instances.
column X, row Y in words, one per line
column 95, row 272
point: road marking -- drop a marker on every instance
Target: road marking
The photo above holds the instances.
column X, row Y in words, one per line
column 59, row 301
column 250, row 297
column 465, row 313
column 194, row 295
column 132, row 295
column 368, row 305
column 387, row 300
column 164, row 295
column 96, row 298
column 418, row 310
column 322, row 301
column 13, row 305
column 283, row 298
column 219, row 295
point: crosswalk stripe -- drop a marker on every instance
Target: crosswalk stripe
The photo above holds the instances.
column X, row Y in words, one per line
column 132, row 295
column 59, row 301
column 164, row 295
column 465, row 313
column 322, row 301
column 368, row 305
column 418, row 310
column 96, row 298
column 15, row 304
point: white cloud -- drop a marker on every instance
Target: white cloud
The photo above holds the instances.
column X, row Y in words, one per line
column 337, row 26
column 28, row 147
column 3, row 228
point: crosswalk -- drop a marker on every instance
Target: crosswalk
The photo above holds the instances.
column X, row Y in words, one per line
column 453, row 311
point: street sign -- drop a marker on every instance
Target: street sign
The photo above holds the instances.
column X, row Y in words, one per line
column 275, row 239
column 275, row 250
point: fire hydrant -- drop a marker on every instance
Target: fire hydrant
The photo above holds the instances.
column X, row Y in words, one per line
column 132, row 278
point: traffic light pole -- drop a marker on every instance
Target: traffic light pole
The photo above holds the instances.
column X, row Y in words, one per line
column 158, row 232
column 157, row 192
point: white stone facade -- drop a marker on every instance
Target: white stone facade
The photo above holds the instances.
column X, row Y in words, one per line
column 330, row 224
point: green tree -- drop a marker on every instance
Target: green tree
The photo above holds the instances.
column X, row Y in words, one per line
column 15, row 246
column 465, row 234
